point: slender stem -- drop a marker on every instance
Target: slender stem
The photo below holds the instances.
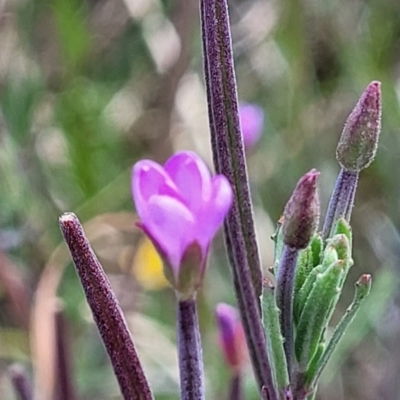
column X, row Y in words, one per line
column 106, row 312
column 21, row 383
column 243, row 313
column 64, row 387
column 236, row 388
column 229, row 159
column 284, row 299
column 352, row 196
column 342, row 200
column 226, row 135
column 299, row 392
column 190, row 352
column 251, row 318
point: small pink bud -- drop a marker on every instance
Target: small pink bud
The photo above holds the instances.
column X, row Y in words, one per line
column 359, row 140
column 180, row 207
column 252, row 123
column 301, row 215
column 231, row 336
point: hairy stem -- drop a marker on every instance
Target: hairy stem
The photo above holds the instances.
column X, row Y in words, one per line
column 106, row 312
column 342, row 200
column 190, row 352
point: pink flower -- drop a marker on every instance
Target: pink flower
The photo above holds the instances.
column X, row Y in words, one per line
column 180, row 207
column 252, row 123
column 231, row 336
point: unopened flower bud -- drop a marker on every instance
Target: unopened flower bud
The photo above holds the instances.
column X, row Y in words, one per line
column 231, row 336
column 363, row 286
column 252, row 123
column 359, row 140
column 301, row 215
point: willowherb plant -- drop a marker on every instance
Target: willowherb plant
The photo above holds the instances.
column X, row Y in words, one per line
column 181, row 206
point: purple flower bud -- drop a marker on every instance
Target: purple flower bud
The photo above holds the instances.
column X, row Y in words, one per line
column 231, row 336
column 301, row 215
column 359, row 140
column 252, row 123
column 180, row 207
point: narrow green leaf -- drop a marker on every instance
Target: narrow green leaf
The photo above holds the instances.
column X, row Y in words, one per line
column 330, row 257
column 270, row 320
column 304, row 266
column 363, row 287
column 341, row 244
column 317, row 312
column 316, row 248
column 343, row 227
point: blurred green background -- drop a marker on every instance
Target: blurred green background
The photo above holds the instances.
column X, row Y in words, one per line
column 89, row 87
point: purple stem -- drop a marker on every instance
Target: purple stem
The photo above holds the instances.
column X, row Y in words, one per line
column 342, row 200
column 284, row 299
column 352, row 196
column 243, row 311
column 226, row 135
column 106, row 312
column 64, row 388
column 21, row 383
column 229, row 159
column 236, row 388
column 190, row 352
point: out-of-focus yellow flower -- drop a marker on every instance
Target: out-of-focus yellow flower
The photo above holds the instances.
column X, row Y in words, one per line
column 148, row 267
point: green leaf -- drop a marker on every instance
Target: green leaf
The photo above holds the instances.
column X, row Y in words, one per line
column 317, row 312
column 330, row 257
column 363, row 287
column 343, row 227
column 316, row 248
column 270, row 320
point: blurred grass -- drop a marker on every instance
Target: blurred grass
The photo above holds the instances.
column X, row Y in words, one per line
column 87, row 88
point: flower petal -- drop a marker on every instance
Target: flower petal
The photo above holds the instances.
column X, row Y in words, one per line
column 170, row 225
column 192, row 178
column 252, row 123
column 149, row 179
column 214, row 212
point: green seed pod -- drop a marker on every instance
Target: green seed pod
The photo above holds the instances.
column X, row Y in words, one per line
column 317, row 313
